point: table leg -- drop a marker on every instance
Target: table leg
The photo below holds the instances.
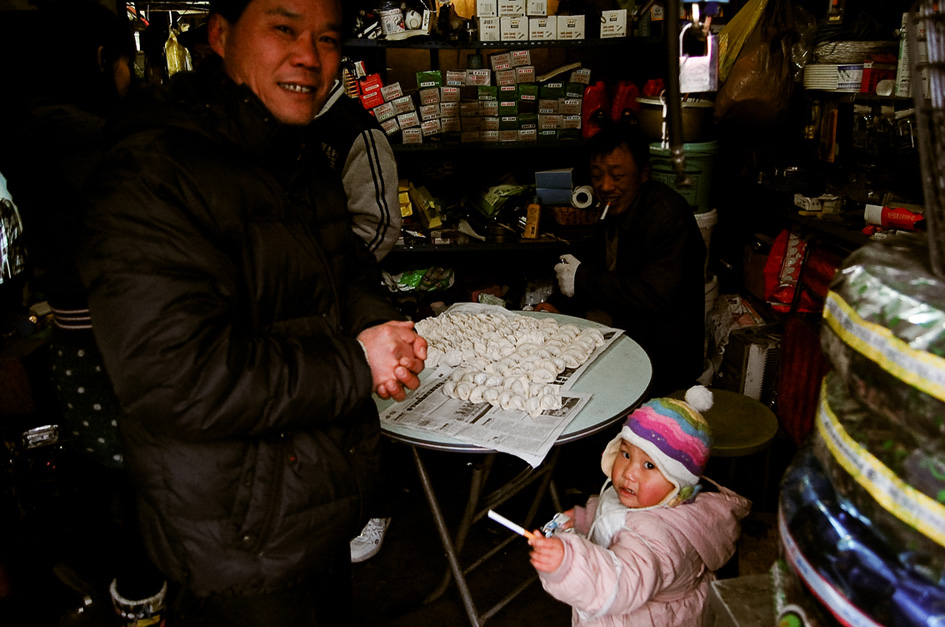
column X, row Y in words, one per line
column 445, row 539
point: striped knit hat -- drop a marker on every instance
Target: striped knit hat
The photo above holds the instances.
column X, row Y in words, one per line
column 675, row 436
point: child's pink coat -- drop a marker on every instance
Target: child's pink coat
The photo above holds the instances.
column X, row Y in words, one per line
column 658, row 568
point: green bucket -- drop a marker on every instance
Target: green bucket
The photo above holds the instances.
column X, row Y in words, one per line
column 700, row 162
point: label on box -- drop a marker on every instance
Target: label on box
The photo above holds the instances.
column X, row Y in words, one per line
column 570, row 27
column 487, row 8
column 581, row 76
column 429, row 95
column 542, row 28
column 513, row 28
column 450, row 125
column 403, row 104
column 536, row 8
column 371, row 82
column 552, row 90
column 547, row 135
column 500, row 61
column 455, row 78
column 384, row 112
column 479, row 77
column 527, row 134
column 571, row 121
column 372, row 99
column 525, row 74
column 390, row 126
column 488, row 29
column 521, row 57
column 505, row 77
column 546, row 122
column 527, row 120
column 547, row 106
column 508, row 136
column 489, row 136
column 511, row 7
column 429, row 112
column 391, row 92
column 408, row 120
column 613, row 23
column 489, row 123
column 449, row 94
column 430, row 127
column 450, row 109
column 469, row 109
column 412, row 136
column 569, row 106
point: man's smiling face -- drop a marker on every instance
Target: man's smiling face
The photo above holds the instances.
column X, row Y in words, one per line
column 287, row 51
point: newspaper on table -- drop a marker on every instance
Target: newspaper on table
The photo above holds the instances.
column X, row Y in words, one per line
column 514, row 432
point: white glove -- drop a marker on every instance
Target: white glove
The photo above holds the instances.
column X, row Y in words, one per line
column 565, row 272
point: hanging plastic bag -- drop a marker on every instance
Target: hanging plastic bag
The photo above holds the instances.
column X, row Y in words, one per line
column 757, row 88
column 733, row 35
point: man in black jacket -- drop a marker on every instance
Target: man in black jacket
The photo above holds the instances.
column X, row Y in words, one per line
column 648, row 271
column 243, row 325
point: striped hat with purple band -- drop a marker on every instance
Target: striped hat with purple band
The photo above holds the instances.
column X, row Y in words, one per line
column 674, row 435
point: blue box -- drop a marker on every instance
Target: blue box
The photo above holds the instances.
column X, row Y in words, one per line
column 555, row 179
column 554, row 195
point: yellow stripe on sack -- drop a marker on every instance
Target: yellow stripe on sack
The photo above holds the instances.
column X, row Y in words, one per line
column 916, row 368
column 912, row 507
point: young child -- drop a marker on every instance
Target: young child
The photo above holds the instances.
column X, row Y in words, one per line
column 646, row 547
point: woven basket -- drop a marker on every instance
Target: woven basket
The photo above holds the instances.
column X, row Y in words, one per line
column 852, row 51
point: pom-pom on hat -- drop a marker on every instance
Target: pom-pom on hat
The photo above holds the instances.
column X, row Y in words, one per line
column 675, row 436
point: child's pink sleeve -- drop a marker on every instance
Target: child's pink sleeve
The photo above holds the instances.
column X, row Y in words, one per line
column 583, row 516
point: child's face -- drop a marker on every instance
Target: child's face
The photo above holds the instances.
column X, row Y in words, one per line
column 639, row 483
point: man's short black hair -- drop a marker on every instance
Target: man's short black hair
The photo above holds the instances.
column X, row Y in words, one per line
column 613, row 135
column 232, row 10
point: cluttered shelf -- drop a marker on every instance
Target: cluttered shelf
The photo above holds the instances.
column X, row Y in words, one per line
column 427, row 42
column 488, row 146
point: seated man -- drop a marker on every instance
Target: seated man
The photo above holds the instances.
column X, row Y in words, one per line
column 646, row 272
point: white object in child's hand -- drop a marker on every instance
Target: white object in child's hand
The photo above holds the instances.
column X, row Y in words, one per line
column 505, row 522
column 551, row 527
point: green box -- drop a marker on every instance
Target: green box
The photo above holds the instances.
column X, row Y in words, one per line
column 552, row 90
column 429, row 78
column 488, row 92
column 574, row 90
column 528, row 92
column 508, row 123
column 508, row 107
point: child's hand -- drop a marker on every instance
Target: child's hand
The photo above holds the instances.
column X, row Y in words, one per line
column 568, row 524
column 547, row 553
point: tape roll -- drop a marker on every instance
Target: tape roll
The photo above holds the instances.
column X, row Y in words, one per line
column 582, row 197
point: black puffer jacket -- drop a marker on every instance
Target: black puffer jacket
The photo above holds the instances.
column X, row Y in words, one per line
column 226, row 289
column 656, row 293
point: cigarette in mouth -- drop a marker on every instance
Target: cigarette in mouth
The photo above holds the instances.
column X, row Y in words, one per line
column 505, row 522
column 603, row 213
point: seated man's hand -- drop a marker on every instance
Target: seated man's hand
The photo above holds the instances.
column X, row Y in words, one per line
column 565, row 272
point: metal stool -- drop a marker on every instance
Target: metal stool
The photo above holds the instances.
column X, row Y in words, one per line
column 740, row 426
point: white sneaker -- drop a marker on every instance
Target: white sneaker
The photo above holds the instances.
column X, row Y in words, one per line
column 368, row 543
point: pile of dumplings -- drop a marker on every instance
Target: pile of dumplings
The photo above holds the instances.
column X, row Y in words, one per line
column 509, row 361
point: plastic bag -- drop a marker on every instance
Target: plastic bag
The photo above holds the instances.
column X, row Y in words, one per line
column 757, row 88
column 734, row 34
